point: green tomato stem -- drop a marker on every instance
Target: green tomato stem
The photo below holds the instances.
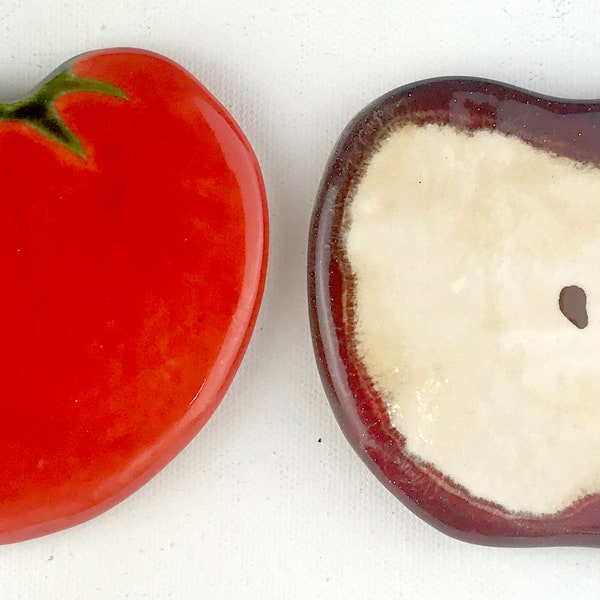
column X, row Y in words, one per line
column 38, row 111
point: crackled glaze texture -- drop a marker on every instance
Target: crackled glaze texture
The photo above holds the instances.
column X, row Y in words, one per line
column 133, row 249
column 453, row 300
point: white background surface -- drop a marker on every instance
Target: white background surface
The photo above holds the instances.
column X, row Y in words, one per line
column 256, row 507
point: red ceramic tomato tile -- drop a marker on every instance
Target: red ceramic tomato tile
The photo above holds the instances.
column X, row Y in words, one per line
column 454, row 306
column 133, row 243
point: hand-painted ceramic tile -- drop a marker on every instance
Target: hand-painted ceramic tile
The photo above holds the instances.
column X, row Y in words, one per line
column 454, row 294
column 133, row 235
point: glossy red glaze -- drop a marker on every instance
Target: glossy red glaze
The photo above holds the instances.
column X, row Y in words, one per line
column 563, row 127
column 131, row 284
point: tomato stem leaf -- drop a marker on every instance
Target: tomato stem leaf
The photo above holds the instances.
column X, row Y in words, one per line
column 38, row 109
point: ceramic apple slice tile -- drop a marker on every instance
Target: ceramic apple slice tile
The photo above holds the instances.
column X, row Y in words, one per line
column 133, row 240
column 453, row 298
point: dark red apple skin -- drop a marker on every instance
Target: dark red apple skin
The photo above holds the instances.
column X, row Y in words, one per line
column 563, row 127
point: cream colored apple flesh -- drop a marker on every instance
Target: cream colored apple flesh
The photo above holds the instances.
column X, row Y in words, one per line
column 460, row 245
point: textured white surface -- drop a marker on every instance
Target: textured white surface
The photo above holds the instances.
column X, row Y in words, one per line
column 256, row 507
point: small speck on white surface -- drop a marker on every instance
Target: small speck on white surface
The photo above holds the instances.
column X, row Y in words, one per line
column 255, row 507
